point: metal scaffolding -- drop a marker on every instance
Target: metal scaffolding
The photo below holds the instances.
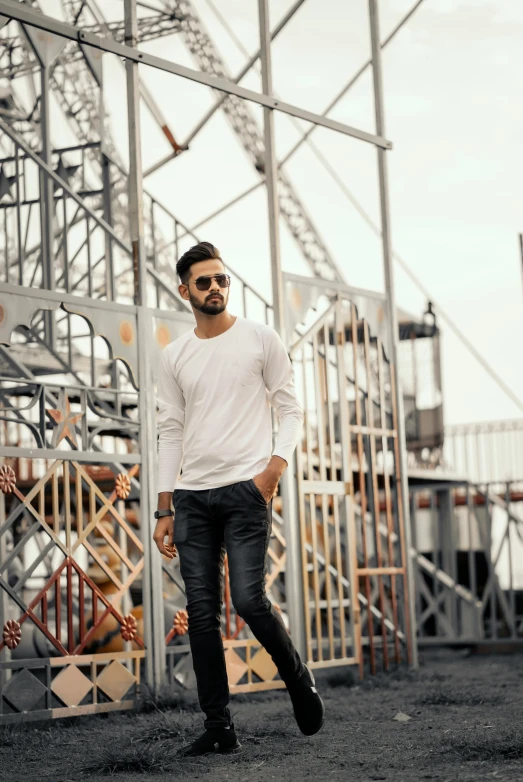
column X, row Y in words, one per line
column 86, row 304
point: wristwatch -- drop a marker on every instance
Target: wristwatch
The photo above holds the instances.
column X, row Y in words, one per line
column 158, row 513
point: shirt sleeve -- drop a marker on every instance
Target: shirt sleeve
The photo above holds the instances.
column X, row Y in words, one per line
column 278, row 375
column 170, row 423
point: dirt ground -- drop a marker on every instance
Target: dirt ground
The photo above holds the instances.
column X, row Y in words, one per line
column 465, row 724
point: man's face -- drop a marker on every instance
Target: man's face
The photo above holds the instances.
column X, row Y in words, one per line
column 203, row 301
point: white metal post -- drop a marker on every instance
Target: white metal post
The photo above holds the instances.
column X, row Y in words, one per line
column 47, row 207
column 293, row 580
column 521, row 254
column 154, row 630
column 46, row 47
column 392, row 316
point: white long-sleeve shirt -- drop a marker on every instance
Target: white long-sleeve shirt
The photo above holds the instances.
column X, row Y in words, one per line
column 214, row 397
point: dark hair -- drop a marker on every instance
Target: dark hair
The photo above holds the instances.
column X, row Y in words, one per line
column 202, row 251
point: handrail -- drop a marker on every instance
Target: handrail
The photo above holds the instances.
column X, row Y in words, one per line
column 485, row 427
column 108, row 229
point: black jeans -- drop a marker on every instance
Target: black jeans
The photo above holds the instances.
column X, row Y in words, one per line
column 207, row 522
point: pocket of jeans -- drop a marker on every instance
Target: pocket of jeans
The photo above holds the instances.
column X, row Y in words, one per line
column 179, row 528
column 176, row 496
column 258, row 492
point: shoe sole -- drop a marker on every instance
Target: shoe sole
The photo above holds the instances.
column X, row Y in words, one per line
column 230, row 750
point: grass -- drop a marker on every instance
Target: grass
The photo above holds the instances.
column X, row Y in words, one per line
column 168, row 698
column 437, row 743
column 487, row 744
column 13, row 735
column 394, row 679
column 19, row 735
column 446, row 695
column 398, row 678
column 134, row 759
column 163, row 729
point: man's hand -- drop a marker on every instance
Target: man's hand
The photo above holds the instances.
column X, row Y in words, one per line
column 164, row 529
column 267, row 481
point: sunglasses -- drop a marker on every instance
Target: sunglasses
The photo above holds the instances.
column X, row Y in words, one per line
column 204, row 283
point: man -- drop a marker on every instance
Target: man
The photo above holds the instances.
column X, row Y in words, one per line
column 215, row 387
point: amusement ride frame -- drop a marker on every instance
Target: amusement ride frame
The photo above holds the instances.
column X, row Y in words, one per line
column 45, row 34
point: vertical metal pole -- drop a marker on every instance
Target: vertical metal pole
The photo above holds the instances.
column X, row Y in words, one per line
column 5, row 654
column 152, row 578
column 109, row 264
column 293, row 579
column 47, row 208
column 521, row 254
column 19, row 219
column 392, row 315
column 46, row 46
column 6, row 248
column 271, row 168
column 107, row 193
column 448, row 546
column 108, row 217
column 153, row 241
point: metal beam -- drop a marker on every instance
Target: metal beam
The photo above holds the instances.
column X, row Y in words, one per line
column 150, row 102
column 224, row 208
column 29, row 16
column 293, row 578
column 392, row 317
column 246, row 68
column 154, row 631
column 11, row 451
column 305, row 138
column 521, row 254
column 278, row 302
column 352, row 81
column 46, row 49
column 333, row 285
column 24, row 372
column 67, row 189
column 62, row 297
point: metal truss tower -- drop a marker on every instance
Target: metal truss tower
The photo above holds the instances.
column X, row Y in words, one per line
column 87, row 303
column 72, row 83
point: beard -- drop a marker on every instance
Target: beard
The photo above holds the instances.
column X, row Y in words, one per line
column 214, row 307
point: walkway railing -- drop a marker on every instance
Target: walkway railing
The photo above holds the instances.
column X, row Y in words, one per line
column 488, row 452
column 468, row 556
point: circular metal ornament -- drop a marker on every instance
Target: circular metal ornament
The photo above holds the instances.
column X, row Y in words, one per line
column 12, row 634
column 181, row 622
column 122, row 486
column 7, row 479
column 129, row 627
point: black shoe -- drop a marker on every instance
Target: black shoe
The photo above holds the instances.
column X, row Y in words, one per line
column 213, row 740
column 308, row 706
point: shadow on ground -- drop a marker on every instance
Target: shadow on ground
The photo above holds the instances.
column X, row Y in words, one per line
column 457, row 718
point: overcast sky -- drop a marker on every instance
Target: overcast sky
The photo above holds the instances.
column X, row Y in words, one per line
column 452, row 81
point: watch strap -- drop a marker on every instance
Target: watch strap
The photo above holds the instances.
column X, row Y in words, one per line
column 159, row 513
